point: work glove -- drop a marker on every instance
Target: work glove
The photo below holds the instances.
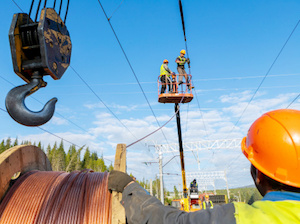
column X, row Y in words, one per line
column 118, row 180
column 188, row 60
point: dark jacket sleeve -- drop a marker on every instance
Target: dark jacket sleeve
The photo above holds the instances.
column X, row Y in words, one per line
column 142, row 208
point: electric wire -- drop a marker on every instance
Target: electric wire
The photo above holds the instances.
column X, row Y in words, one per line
column 270, row 68
column 293, row 101
column 102, row 101
column 17, row 5
column 116, row 9
column 232, row 162
column 127, row 59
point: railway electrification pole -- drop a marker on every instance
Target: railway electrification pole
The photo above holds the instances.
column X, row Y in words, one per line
column 207, row 177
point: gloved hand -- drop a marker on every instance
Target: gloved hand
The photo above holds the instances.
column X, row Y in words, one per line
column 118, row 180
column 188, row 60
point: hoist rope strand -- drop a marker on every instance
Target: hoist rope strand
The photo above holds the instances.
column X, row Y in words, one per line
column 67, row 10
column 37, row 10
column 30, row 10
column 61, row 1
column 45, row 3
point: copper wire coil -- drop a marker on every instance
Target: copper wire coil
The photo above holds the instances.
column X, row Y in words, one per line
column 44, row 197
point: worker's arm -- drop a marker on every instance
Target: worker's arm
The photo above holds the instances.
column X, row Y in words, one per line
column 142, row 208
column 166, row 67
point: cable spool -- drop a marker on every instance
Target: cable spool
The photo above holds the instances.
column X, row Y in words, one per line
column 58, row 197
column 42, row 196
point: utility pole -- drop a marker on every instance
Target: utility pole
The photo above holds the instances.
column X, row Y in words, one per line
column 227, row 185
column 161, row 178
column 151, row 191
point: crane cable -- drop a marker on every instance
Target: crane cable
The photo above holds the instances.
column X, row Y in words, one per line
column 45, row 4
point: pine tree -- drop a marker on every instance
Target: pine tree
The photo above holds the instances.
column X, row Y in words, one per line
column 8, row 143
column 16, row 142
column 2, row 146
column 86, row 159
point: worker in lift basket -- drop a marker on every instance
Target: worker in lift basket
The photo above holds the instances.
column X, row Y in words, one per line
column 165, row 76
column 272, row 146
column 181, row 60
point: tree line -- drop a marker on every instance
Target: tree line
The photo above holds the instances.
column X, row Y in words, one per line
column 62, row 161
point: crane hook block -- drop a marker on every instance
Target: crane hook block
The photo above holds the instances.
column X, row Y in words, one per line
column 43, row 45
column 37, row 49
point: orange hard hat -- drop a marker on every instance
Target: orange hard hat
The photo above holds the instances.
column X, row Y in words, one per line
column 166, row 61
column 182, row 52
column 272, row 145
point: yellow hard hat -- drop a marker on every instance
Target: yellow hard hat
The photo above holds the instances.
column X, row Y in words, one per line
column 182, row 52
column 207, row 196
column 272, row 145
column 166, row 61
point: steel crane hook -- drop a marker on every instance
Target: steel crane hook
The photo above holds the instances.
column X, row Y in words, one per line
column 17, row 109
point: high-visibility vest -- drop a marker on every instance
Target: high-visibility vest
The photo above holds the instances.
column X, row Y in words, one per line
column 182, row 60
column 267, row 212
column 163, row 71
column 204, row 205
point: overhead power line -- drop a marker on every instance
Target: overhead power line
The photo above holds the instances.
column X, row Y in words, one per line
column 270, row 68
column 133, row 72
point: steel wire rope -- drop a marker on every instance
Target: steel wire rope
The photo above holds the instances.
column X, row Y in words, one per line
column 260, row 86
column 42, row 104
column 37, row 11
column 127, row 59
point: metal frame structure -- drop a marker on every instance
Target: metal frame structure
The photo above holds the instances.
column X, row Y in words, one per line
column 196, row 147
column 207, row 178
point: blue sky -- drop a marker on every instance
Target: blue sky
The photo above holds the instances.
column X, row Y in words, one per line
column 232, row 45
